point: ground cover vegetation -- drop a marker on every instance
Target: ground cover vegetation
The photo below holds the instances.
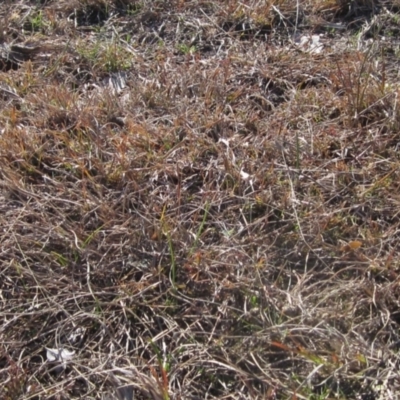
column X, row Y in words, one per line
column 199, row 199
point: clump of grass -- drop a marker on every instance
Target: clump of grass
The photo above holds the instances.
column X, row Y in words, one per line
column 106, row 55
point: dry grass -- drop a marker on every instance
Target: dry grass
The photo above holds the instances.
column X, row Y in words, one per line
column 195, row 203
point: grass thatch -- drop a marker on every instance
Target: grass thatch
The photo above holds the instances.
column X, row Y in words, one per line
column 199, row 199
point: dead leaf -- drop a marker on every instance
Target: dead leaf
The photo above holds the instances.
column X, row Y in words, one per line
column 351, row 246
